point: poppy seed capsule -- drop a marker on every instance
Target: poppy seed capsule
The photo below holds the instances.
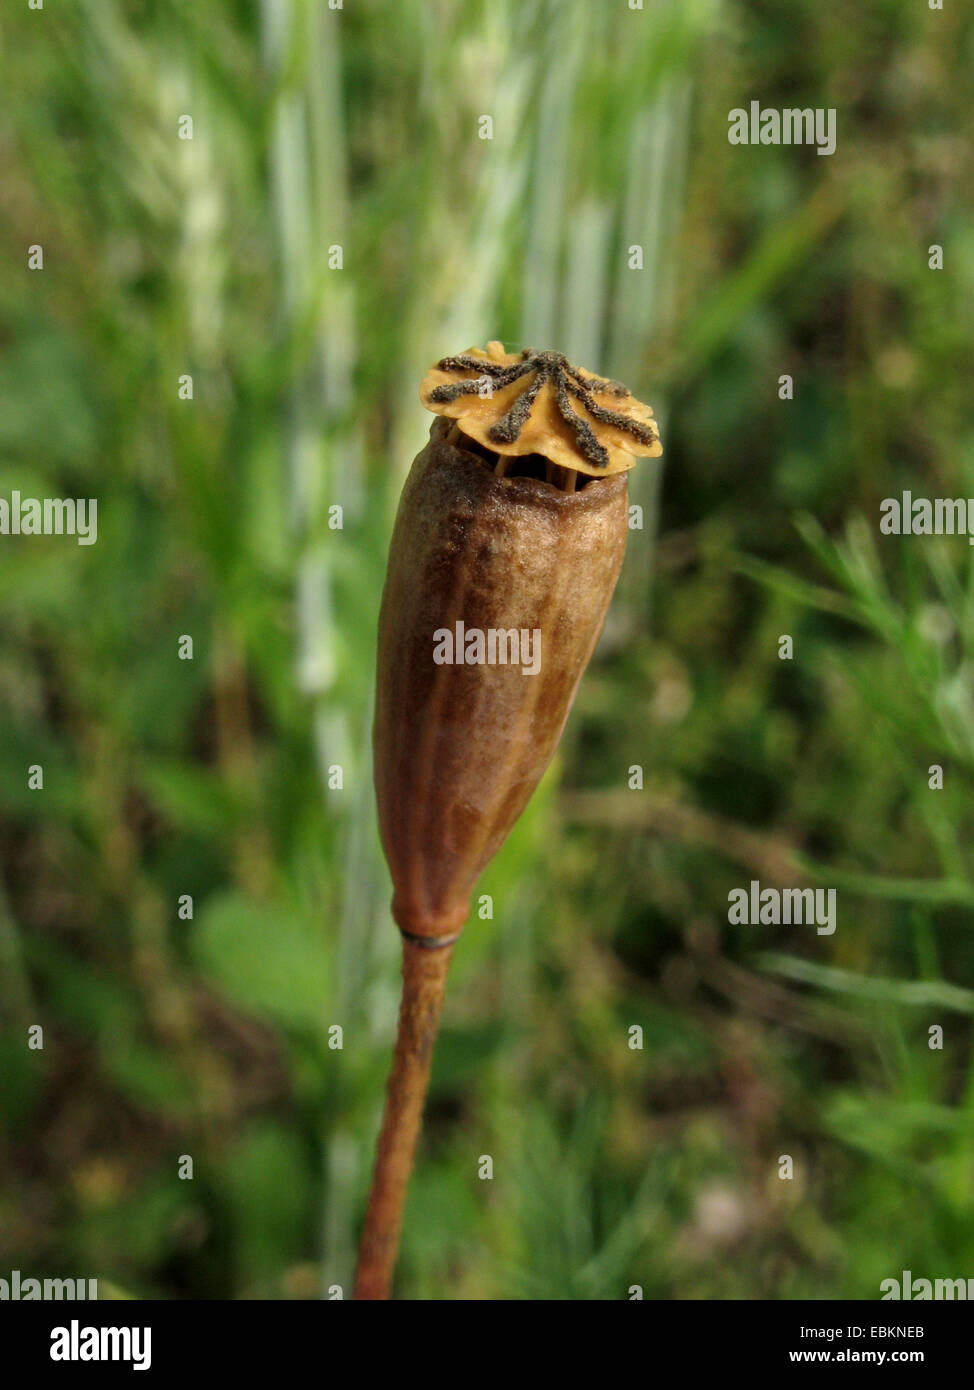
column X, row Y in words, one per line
column 496, row 592
column 505, row 552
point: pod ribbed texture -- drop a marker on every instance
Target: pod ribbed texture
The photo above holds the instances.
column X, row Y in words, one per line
column 459, row 749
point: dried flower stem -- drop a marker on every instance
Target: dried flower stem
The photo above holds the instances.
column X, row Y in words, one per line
column 424, row 971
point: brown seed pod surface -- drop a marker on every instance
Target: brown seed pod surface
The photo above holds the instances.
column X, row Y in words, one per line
column 460, row 748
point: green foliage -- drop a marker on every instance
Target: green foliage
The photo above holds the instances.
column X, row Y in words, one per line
column 168, row 1035
column 270, row 962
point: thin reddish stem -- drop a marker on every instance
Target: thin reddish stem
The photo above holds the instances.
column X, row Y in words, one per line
column 424, row 972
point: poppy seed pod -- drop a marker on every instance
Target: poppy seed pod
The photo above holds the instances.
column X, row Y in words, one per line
column 497, row 587
column 496, row 592
column 504, row 556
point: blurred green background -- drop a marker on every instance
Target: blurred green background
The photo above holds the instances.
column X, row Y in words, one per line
column 164, row 1036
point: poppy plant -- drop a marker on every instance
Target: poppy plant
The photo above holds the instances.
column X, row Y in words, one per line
column 508, row 541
